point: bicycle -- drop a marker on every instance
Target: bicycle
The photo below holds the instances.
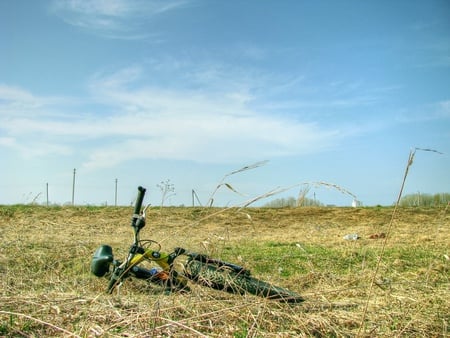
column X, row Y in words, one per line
column 197, row 268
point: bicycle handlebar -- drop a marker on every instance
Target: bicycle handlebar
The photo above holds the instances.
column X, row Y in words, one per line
column 139, row 199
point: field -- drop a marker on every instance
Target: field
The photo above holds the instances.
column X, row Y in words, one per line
column 396, row 285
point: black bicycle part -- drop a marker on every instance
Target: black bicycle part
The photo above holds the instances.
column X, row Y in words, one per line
column 208, row 260
column 137, row 221
column 225, row 279
column 101, row 260
column 114, row 280
column 176, row 252
column 139, row 200
column 155, row 276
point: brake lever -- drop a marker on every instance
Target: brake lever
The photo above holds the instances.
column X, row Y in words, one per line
column 139, row 221
column 143, row 211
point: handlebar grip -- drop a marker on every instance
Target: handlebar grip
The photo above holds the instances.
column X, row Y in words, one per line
column 139, row 200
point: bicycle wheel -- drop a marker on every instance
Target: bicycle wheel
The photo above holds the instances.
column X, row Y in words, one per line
column 223, row 278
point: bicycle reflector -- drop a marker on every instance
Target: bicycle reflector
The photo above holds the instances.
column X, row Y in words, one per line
column 103, row 256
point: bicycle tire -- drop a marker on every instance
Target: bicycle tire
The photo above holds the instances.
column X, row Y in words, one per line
column 222, row 278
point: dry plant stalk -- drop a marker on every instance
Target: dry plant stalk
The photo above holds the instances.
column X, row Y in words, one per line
column 55, row 327
column 412, row 153
column 227, row 185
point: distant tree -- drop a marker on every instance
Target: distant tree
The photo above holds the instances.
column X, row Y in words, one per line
column 425, row 200
column 292, row 202
column 167, row 190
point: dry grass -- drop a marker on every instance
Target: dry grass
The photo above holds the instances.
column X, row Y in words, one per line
column 47, row 290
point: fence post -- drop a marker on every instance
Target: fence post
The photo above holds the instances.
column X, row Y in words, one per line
column 73, row 186
column 115, row 194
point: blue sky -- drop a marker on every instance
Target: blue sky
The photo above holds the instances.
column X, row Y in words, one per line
column 190, row 90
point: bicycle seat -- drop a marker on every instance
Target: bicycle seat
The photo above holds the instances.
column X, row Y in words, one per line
column 101, row 260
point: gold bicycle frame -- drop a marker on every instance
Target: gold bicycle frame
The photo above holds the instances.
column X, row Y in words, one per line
column 162, row 261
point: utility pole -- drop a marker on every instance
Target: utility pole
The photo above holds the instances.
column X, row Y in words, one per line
column 194, row 194
column 73, row 186
column 47, row 192
column 115, row 195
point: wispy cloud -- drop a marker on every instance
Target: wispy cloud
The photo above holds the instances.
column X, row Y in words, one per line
column 185, row 124
column 34, row 148
column 180, row 110
column 17, row 102
column 121, row 19
column 131, row 119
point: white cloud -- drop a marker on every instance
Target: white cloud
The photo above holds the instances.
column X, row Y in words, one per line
column 34, row 149
column 202, row 138
column 185, row 124
column 140, row 121
column 119, row 19
column 16, row 99
column 17, row 102
column 166, row 110
column 7, row 141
